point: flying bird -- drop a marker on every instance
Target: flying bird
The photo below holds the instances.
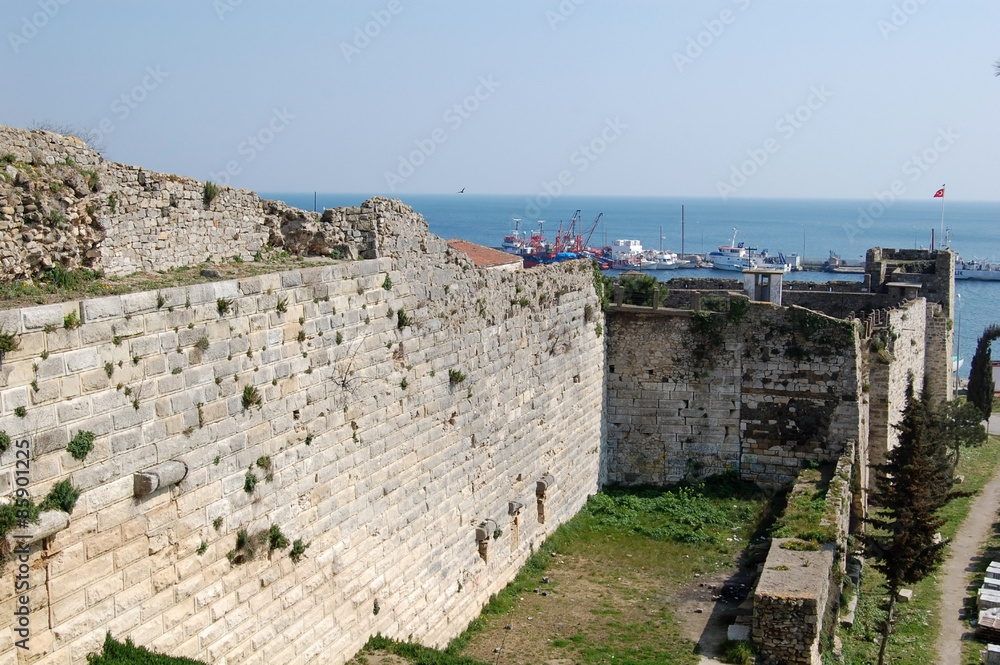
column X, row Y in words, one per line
column 461, row 191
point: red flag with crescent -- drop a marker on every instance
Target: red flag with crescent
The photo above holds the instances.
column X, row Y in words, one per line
column 939, row 194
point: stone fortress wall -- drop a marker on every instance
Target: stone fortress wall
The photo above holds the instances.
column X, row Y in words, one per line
column 762, row 396
column 62, row 203
column 421, row 424
column 385, row 442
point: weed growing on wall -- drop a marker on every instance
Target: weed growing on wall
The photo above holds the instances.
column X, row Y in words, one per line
column 62, row 497
column 81, row 444
column 298, row 549
column 209, row 192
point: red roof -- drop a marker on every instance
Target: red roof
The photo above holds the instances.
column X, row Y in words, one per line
column 483, row 257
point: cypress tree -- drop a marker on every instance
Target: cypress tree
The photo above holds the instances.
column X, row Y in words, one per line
column 980, row 391
column 914, row 484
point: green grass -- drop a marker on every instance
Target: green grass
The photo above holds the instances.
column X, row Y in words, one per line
column 635, row 543
column 805, row 510
column 60, row 284
column 917, row 621
column 117, row 653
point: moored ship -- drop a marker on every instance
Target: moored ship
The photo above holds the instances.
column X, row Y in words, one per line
column 977, row 270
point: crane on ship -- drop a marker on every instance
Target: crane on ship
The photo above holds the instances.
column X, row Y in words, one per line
column 590, row 234
column 564, row 240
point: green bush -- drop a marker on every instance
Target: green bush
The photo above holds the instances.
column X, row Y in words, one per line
column 251, row 398
column 81, row 444
column 4, row 441
column 62, row 497
column 298, row 549
column 210, row 191
column 8, row 342
column 276, row 540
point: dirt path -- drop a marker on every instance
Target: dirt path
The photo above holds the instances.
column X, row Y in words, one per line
column 960, row 563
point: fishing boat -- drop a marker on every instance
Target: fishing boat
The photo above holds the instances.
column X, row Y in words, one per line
column 739, row 257
column 524, row 244
column 977, row 270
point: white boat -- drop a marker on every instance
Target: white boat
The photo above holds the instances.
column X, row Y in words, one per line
column 732, row 256
column 629, row 255
column 737, row 257
column 664, row 260
column 977, row 270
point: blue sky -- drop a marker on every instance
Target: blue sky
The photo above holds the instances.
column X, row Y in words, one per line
column 742, row 98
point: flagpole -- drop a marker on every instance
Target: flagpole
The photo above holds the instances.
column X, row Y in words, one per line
column 943, row 237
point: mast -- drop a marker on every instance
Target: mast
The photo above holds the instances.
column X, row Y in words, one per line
column 942, row 213
column 682, row 231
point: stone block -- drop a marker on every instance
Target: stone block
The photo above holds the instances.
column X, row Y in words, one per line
column 101, row 309
column 37, row 318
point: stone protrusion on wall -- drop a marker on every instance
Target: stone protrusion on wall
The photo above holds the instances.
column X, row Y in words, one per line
column 542, row 486
column 50, row 522
column 162, row 475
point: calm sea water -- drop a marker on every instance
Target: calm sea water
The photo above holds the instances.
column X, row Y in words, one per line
column 810, row 228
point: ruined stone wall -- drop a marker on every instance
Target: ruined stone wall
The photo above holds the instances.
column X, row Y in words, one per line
column 789, row 604
column 693, row 395
column 394, row 417
column 63, row 204
column 940, row 343
column 797, row 593
column 838, row 304
column 890, row 373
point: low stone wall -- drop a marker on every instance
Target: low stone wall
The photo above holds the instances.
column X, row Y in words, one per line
column 796, row 594
column 839, row 304
column 789, row 604
column 385, row 408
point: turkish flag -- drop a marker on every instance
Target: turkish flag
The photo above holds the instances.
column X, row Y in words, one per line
column 939, row 194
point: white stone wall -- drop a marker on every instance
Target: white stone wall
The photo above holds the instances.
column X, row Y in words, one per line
column 907, row 347
column 387, row 491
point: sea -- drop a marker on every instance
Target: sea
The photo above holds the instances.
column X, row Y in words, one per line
column 810, row 228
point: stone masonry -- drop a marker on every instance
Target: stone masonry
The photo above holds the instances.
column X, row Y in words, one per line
column 762, row 395
column 63, row 204
column 384, row 420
